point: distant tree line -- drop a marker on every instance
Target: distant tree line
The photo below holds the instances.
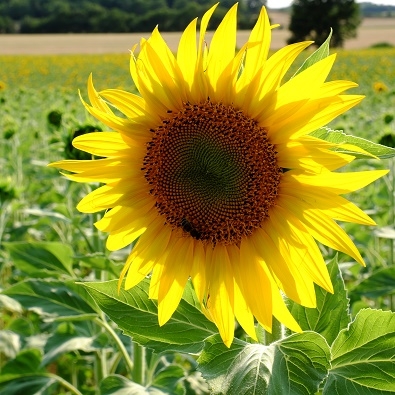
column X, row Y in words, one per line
column 94, row 16
column 369, row 10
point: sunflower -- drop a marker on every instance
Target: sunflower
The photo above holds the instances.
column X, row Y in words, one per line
column 213, row 171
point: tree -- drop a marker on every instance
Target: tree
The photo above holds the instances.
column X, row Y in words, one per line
column 313, row 20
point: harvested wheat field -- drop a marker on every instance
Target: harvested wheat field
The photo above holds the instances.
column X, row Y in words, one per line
column 371, row 31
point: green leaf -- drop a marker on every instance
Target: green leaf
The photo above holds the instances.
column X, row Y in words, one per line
column 136, row 315
column 22, row 325
column 339, row 137
column 363, row 358
column 170, row 378
column 119, row 385
column 60, row 344
column 50, row 298
column 99, row 261
column 27, row 361
column 380, row 283
column 319, row 54
column 293, row 366
column 332, row 311
column 32, row 258
column 30, row 385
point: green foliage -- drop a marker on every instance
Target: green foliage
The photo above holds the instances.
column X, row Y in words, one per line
column 314, row 20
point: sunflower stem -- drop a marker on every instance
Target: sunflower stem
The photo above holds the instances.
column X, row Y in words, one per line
column 138, row 374
column 277, row 333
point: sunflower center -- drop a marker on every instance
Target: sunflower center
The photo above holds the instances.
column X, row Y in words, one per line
column 213, row 172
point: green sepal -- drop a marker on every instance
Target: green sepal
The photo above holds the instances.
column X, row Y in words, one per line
column 319, row 54
column 339, row 137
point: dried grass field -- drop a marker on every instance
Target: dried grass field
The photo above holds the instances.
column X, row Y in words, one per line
column 371, row 31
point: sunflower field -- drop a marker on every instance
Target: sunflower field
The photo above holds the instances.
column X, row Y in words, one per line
column 65, row 328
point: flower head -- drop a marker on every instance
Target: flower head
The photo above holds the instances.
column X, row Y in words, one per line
column 213, row 171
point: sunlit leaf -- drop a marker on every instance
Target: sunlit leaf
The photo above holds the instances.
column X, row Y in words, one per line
column 136, row 315
column 363, row 357
column 50, row 298
column 293, row 366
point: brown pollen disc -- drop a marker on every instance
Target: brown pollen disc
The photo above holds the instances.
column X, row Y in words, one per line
column 212, row 171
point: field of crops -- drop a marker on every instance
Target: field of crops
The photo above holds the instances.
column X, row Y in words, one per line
column 51, row 336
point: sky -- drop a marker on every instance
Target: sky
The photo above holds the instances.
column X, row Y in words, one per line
column 286, row 3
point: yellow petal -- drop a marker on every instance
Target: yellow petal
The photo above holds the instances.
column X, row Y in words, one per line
column 332, row 205
column 292, row 96
column 254, row 96
column 199, row 89
column 254, row 283
column 103, row 144
column 109, row 196
column 222, row 49
column 137, row 225
column 143, row 258
column 338, row 183
column 198, row 272
column 257, row 54
column 323, row 228
column 131, row 105
column 221, row 294
column 174, row 277
column 187, row 53
column 314, row 114
column 108, row 174
column 95, row 99
column 275, row 256
column 304, row 252
column 310, row 159
column 242, row 311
